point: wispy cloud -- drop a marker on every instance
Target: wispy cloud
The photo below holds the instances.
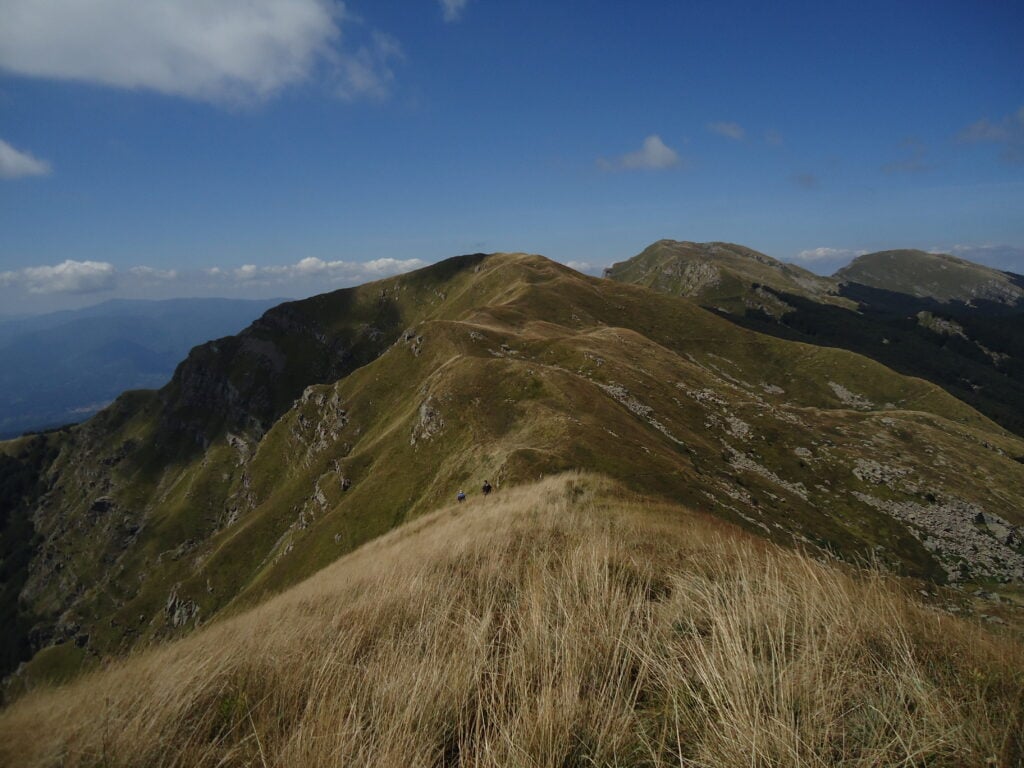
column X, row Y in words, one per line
column 914, row 158
column 654, row 154
column 152, row 275
column 15, row 163
column 66, row 277
column 368, row 71
column 452, row 9
column 1007, row 132
column 732, row 131
column 827, row 254
column 229, row 50
column 773, row 138
column 805, row 180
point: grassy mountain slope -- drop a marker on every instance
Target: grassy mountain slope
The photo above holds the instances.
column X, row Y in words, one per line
column 723, row 275
column 563, row 623
column 934, row 275
column 171, row 507
column 971, row 345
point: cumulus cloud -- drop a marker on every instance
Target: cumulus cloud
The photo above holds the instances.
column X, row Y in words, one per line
column 72, row 283
column 217, row 51
column 312, row 267
column 1007, row 132
column 653, row 155
column 15, row 164
column 452, row 9
column 729, row 130
column 67, row 277
column 828, row 254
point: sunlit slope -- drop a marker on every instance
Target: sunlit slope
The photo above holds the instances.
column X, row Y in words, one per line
column 934, row 275
column 724, row 275
column 515, row 368
column 562, row 623
column 943, row 319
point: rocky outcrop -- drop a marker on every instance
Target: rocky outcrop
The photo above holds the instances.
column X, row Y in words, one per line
column 429, row 424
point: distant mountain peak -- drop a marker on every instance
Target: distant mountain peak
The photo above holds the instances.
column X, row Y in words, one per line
column 724, row 275
column 938, row 276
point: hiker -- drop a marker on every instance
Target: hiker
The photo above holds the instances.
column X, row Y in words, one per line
column 487, row 487
column 461, row 496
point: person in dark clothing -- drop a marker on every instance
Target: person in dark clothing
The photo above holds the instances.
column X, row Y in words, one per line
column 487, row 487
column 461, row 496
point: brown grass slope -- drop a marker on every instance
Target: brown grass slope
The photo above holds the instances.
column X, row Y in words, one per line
column 514, row 368
column 564, row 623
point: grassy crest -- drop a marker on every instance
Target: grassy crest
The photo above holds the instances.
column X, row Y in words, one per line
column 568, row 622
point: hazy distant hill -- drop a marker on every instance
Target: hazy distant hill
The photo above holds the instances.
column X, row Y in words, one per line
column 330, row 421
column 64, row 366
column 934, row 276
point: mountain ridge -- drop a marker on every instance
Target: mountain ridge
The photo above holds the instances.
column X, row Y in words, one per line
column 938, row 276
column 967, row 344
column 169, row 508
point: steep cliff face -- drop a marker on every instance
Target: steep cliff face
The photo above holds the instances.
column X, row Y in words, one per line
column 333, row 420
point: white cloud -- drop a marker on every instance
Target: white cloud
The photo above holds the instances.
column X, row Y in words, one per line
column 67, row 277
column 14, row 164
column 453, row 9
column 73, row 283
column 828, row 254
column 653, row 155
column 730, row 130
column 152, row 275
column 227, row 50
column 312, row 267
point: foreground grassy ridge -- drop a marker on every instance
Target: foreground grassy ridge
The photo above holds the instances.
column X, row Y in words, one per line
column 559, row 624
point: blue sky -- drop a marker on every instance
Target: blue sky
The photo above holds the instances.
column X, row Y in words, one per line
column 283, row 147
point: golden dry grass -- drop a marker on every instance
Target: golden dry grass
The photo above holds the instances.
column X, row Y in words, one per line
column 560, row 624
